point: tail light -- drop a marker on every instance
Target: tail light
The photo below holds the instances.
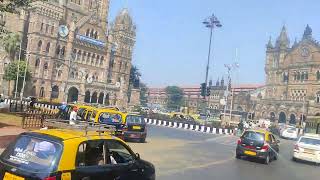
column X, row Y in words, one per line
column 296, row 147
column 239, row 142
column 50, row 178
column 265, row 148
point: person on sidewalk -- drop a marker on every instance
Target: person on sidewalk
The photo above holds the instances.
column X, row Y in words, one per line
column 73, row 116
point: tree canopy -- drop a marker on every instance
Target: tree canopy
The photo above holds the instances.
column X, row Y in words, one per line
column 11, row 42
column 143, row 94
column 12, row 5
column 134, row 77
column 10, row 72
column 175, row 97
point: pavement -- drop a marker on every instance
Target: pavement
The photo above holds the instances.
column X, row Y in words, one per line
column 180, row 154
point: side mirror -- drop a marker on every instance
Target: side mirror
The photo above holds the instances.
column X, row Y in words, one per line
column 137, row 156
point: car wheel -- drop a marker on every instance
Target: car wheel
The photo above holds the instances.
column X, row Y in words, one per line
column 294, row 159
column 143, row 140
column 267, row 160
column 238, row 156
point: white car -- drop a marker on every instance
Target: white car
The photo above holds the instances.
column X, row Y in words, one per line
column 307, row 148
column 290, row 133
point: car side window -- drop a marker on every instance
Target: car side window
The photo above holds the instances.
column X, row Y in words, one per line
column 118, row 152
column 89, row 115
column 92, row 153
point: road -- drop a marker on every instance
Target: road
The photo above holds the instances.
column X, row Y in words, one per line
column 188, row 155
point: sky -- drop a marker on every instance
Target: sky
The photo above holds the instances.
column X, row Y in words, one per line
column 172, row 43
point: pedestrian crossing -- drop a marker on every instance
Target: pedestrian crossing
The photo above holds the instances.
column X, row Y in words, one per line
column 226, row 140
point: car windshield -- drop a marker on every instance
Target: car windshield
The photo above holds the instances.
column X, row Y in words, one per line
column 110, row 118
column 253, row 136
column 134, row 119
column 33, row 154
column 310, row 141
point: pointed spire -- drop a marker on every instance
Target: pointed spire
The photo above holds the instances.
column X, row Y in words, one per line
column 283, row 40
column 269, row 45
column 222, row 82
column 295, row 42
column 218, row 82
column 307, row 34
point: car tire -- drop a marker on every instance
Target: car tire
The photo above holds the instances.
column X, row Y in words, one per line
column 238, row 156
column 143, row 140
column 294, row 159
column 267, row 160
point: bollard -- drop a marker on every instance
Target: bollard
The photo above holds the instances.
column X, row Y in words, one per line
column 214, row 131
column 208, row 130
column 164, row 123
column 186, row 126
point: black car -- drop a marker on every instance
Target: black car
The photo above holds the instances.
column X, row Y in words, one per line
column 135, row 128
column 259, row 144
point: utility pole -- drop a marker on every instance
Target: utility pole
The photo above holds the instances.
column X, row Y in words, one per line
column 210, row 22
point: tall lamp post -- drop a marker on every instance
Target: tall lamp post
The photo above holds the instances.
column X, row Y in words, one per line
column 210, row 22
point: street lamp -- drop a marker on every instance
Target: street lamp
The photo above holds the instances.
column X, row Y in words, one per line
column 210, row 22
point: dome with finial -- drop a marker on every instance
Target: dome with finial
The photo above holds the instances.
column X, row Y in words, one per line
column 283, row 39
column 307, row 34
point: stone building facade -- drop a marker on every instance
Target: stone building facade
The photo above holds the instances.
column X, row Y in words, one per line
column 74, row 53
column 292, row 91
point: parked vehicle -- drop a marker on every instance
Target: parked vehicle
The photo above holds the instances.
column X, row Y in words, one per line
column 290, row 133
column 259, row 144
column 307, row 148
column 135, row 128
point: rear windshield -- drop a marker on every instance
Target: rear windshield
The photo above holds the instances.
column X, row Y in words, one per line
column 110, row 118
column 310, row 141
column 253, row 136
column 134, row 119
column 33, row 154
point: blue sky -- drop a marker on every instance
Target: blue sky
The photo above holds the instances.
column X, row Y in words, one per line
column 172, row 43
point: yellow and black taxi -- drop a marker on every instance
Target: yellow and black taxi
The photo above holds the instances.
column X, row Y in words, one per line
column 135, row 128
column 259, row 144
column 110, row 117
column 66, row 154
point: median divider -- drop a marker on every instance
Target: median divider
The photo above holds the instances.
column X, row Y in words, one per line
column 192, row 127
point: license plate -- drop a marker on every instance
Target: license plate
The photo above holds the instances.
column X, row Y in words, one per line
column 8, row 176
column 251, row 153
column 136, row 127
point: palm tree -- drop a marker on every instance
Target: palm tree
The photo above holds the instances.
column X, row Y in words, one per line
column 11, row 43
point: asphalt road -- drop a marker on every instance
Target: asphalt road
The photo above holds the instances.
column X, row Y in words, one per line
column 183, row 154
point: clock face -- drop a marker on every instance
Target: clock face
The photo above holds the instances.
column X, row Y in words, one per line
column 305, row 52
column 63, row 31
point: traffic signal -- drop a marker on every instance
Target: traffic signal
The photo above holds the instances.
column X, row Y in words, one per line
column 203, row 89
column 208, row 91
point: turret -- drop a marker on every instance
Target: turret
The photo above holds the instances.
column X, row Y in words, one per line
column 269, row 45
column 283, row 41
column 307, row 34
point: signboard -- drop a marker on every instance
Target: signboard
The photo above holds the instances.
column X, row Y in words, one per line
column 90, row 40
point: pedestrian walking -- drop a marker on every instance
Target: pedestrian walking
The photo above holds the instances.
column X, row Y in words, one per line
column 73, row 116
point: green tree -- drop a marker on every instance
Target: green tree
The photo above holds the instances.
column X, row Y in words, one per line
column 143, row 94
column 10, row 74
column 175, row 97
column 11, row 44
column 135, row 75
column 12, row 5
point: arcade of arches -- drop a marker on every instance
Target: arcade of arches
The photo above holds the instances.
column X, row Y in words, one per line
column 100, row 98
column 283, row 117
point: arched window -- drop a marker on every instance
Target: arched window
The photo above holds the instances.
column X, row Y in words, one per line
column 72, row 75
column 47, row 28
column 88, row 32
column 95, row 35
column 41, row 27
column 48, row 48
column 63, row 50
column 52, row 29
column 39, row 45
column 45, row 66
column 58, row 50
column 84, row 55
column 79, row 55
column 102, row 61
column 93, row 58
column 91, row 33
column 98, row 60
column 298, row 76
column 41, row 93
column 37, row 62
column 318, row 97
column 88, row 58
column 318, row 75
